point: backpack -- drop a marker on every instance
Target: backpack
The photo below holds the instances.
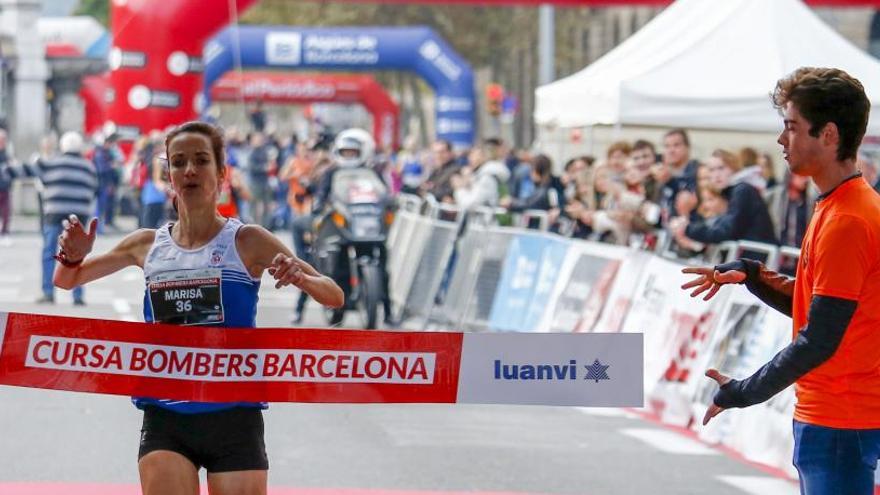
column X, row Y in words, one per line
column 258, row 161
column 504, row 219
column 140, row 175
column 503, row 187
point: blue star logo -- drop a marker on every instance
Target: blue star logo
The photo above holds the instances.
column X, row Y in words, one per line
column 597, row 371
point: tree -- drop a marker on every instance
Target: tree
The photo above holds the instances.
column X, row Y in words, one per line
column 485, row 36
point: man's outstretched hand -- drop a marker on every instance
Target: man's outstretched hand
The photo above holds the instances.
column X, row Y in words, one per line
column 714, row 409
column 710, row 279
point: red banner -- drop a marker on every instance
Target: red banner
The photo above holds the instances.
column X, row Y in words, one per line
column 218, row 364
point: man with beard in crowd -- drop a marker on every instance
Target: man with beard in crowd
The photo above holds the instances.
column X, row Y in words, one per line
column 439, row 182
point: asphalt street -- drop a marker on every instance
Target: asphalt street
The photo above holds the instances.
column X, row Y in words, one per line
column 62, row 442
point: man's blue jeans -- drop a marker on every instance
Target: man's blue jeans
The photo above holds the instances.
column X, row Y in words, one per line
column 104, row 206
column 50, row 249
column 834, row 461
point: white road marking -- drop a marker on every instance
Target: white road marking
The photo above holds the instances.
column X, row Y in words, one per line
column 760, row 485
column 669, row 442
column 11, row 279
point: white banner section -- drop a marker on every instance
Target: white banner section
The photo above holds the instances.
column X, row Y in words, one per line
column 594, row 370
column 2, row 329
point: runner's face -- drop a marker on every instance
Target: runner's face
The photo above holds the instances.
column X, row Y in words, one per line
column 193, row 169
column 799, row 148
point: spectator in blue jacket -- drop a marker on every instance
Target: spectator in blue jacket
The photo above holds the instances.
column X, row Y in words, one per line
column 747, row 217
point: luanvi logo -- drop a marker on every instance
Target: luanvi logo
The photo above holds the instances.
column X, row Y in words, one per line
column 548, row 371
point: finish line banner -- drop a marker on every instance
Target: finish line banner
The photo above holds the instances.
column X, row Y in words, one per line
column 209, row 364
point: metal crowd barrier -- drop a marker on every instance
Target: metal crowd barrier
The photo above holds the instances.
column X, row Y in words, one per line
column 731, row 250
column 468, row 301
column 524, row 219
column 421, row 243
column 442, row 232
column 788, row 253
column 445, row 264
column 404, row 249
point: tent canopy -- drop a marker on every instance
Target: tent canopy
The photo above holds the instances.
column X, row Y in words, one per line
column 705, row 64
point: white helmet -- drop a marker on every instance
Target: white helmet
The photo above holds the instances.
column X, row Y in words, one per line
column 353, row 140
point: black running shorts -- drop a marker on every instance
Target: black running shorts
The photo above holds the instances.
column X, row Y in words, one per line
column 222, row 441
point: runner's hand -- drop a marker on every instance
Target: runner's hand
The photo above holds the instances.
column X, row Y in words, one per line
column 287, row 271
column 714, row 409
column 75, row 241
column 708, row 278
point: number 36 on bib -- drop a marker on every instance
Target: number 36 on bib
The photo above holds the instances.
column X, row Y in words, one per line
column 187, row 297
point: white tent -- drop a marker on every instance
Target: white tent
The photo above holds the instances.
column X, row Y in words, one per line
column 705, row 64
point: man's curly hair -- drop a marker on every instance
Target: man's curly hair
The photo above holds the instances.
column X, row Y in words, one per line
column 824, row 95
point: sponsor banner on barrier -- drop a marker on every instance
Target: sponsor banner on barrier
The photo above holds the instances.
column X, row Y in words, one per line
column 347, row 366
column 748, row 335
column 622, row 292
column 554, row 253
column 529, row 274
column 730, row 313
column 559, row 369
column 674, row 325
column 728, row 344
column 580, row 296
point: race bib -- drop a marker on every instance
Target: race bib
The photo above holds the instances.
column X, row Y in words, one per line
column 187, row 297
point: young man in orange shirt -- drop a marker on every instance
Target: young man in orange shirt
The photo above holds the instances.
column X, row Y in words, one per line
column 834, row 301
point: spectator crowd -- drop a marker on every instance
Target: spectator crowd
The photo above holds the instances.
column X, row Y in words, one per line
column 641, row 194
column 656, row 197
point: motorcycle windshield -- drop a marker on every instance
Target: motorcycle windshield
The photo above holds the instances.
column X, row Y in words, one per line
column 358, row 185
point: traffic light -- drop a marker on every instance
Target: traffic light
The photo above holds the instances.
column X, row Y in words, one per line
column 494, row 98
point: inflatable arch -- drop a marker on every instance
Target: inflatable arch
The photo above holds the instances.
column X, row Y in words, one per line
column 284, row 87
column 156, row 59
column 94, row 93
column 416, row 49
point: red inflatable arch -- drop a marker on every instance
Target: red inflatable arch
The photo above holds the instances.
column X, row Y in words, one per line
column 94, row 92
column 156, row 59
column 289, row 88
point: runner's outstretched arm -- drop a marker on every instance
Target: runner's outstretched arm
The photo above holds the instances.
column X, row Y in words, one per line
column 260, row 250
column 815, row 343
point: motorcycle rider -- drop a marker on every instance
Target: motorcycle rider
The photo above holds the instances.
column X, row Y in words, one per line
column 352, row 148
